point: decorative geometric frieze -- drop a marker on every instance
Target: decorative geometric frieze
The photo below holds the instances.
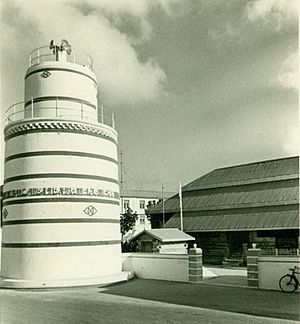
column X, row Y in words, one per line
column 59, row 125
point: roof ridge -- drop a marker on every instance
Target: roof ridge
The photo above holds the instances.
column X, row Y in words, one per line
column 169, row 228
column 244, row 182
column 257, row 162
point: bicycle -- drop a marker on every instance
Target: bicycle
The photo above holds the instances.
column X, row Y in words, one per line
column 289, row 282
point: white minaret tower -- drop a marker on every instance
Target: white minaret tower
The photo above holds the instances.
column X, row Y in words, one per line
column 61, row 224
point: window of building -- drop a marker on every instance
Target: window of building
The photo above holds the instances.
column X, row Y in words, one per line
column 126, row 204
column 209, row 235
column 265, row 233
column 151, row 203
column 142, row 204
column 142, row 219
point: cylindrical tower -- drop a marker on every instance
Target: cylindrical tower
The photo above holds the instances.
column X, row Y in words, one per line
column 61, row 223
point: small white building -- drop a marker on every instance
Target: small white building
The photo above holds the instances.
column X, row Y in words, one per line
column 138, row 201
column 162, row 240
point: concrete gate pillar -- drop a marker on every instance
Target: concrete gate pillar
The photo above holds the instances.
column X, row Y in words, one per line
column 195, row 265
column 252, row 266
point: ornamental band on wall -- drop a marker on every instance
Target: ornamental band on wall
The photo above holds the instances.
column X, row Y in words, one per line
column 60, row 191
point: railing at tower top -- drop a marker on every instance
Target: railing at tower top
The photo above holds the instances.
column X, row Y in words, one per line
column 58, row 109
column 45, row 54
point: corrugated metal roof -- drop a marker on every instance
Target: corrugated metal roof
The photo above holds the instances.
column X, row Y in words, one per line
column 284, row 168
column 193, row 222
column 265, row 183
column 262, row 194
column 166, row 235
column 255, row 196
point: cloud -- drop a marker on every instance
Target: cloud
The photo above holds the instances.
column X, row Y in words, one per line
column 227, row 31
column 238, row 20
column 108, row 30
column 278, row 11
column 289, row 74
column 291, row 141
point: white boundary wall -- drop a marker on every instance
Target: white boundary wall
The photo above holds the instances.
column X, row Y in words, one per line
column 272, row 268
column 172, row 267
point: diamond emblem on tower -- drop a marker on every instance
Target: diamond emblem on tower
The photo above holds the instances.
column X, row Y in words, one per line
column 46, row 74
column 5, row 213
column 90, row 210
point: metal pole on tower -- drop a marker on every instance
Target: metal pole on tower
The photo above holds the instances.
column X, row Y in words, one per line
column 102, row 114
column 113, row 121
column 31, row 107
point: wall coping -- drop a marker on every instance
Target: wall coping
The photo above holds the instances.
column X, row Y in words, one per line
column 279, row 258
column 156, row 255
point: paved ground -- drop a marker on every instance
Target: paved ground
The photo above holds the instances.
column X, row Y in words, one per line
column 148, row 301
column 227, row 276
column 233, row 299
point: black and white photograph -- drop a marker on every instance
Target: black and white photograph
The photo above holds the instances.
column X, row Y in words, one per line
column 149, row 158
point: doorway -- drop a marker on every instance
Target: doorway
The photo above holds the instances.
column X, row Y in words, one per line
column 237, row 241
column 146, row 246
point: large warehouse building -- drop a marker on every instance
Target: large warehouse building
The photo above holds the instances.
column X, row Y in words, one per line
column 230, row 208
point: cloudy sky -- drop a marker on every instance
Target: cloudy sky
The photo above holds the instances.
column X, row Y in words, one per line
column 194, row 85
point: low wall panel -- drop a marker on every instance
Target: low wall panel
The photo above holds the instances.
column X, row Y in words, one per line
column 171, row 267
column 271, row 269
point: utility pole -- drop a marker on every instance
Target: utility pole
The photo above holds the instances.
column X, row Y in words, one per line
column 163, row 205
column 180, row 206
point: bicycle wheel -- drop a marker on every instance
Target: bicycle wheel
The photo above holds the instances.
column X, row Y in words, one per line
column 288, row 283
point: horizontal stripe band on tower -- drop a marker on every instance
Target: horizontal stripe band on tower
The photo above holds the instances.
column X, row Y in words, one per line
column 59, row 69
column 72, row 99
column 60, row 130
column 62, row 199
column 59, row 175
column 58, row 244
column 64, row 153
column 60, row 220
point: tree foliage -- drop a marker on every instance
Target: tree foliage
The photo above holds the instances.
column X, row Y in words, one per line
column 127, row 221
